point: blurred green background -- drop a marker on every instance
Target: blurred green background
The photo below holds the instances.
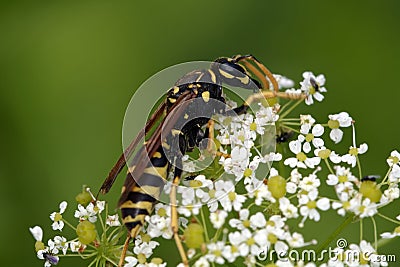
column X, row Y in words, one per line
column 69, row 68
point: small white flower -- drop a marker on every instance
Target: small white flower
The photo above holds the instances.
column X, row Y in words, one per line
column 60, row 242
column 245, row 241
column 160, row 222
column 310, row 183
column 257, row 221
column 306, row 121
column 296, row 240
column 218, row 218
column 390, row 194
column 288, row 209
column 242, row 222
column 309, row 205
column 351, row 157
column 87, row 213
column 394, row 158
column 394, row 175
column 342, row 175
column 215, row 252
column 313, row 87
column 301, row 160
column 396, row 232
column 113, row 220
column 76, row 246
column 363, row 208
column 56, row 217
column 259, row 191
column 226, row 195
column 202, row 262
column 272, row 156
column 130, row 261
column 313, row 137
column 336, row 121
column 343, row 205
column 283, row 81
column 37, row 233
column 145, row 248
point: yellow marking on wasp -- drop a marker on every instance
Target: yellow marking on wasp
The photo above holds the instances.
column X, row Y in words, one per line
column 190, row 86
column 244, row 80
column 138, row 218
column 206, row 96
column 144, row 205
column 148, row 189
column 157, row 171
column 176, row 90
column 186, row 116
column 135, row 231
column 165, row 145
column 157, row 155
column 172, row 100
column 131, row 169
column 213, row 77
column 176, row 132
column 226, row 74
column 198, row 79
column 195, row 91
column 123, row 189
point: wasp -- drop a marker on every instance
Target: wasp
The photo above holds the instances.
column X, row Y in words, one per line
column 151, row 165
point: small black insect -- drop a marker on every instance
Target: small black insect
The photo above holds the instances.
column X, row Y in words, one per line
column 314, row 84
column 284, row 137
column 370, row 178
column 50, row 258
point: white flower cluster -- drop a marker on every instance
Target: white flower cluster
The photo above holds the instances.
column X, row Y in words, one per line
column 60, row 246
column 243, row 207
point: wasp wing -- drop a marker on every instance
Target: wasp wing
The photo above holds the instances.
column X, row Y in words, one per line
column 142, row 158
column 109, row 181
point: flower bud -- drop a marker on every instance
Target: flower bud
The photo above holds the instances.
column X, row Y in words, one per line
column 86, row 232
column 83, row 198
column 370, row 189
column 277, row 186
column 194, row 235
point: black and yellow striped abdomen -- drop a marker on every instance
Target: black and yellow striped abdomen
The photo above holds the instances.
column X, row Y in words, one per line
column 140, row 200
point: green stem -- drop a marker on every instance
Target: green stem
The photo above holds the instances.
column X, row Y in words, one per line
column 291, row 108
column 361, row 229
column 290, row 119
column 204, row 224
column 69, row 225
column 329, row 166
column 375, row 234
column 387, row 175
column 335, row 233
column 103, row 226
column 359, row 167
column 388, row 218
column 291, row 123
column 281, row 165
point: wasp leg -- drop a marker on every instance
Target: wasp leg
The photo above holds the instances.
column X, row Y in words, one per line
column 210, row 131
column 123, row 253
column 261, row 75
column 174, row 216
column 210, row 135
